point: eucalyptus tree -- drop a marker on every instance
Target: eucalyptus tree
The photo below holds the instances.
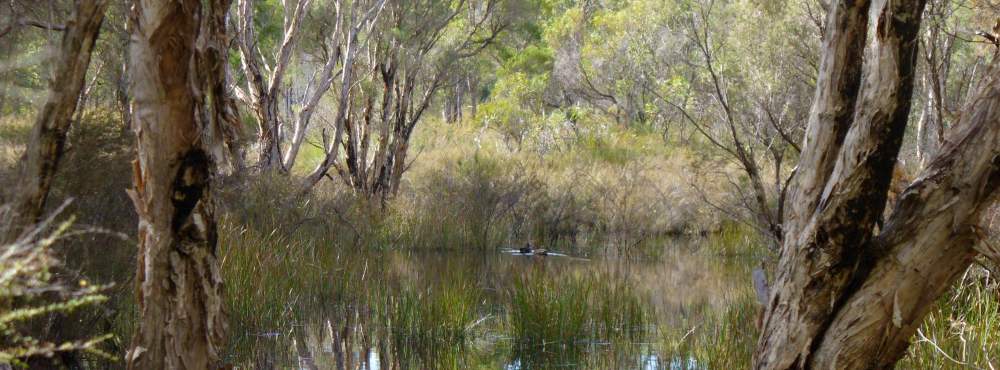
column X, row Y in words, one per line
column 721, row 68
column 264, row 81
column 949, row 64
column 849, row 294
column 409, row 56
column 266, row 86
column 48, row 135
column 745, row 98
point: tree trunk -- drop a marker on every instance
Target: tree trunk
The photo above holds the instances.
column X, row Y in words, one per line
column 927, row 243
column 929, row 127
column 265, row 92
column 222, row 136
column 48, row 136
column 473, row 87
column 332, row 149
column 312, row 101
column 845, row 296
column 179, row 285
column 837, row 86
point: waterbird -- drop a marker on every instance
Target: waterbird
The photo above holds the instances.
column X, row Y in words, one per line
column 526, row 249
column 530, row 250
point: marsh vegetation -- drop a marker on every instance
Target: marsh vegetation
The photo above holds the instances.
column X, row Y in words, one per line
column 346, row 184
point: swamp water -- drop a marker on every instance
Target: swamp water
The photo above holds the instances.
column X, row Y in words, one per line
column 690, row 307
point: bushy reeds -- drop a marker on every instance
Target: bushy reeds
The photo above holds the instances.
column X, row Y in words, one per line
column 963, row 332
column 546, row 313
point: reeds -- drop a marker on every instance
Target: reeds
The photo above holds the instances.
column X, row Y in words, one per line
column 292, row 263
column 963, row 331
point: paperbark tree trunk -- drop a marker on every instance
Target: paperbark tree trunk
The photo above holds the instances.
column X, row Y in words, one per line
column 325, row 79
column 927, row 243
column 847, row 295
column 179, row 285
column 48, row 136
column 222, row 137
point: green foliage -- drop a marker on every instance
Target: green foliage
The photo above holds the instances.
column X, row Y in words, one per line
column 268, row 18
column 475, row 199
column 516, row 107
column 29, row 292
column 574, row 147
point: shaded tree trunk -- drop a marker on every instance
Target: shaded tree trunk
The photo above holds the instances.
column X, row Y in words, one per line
column 224, row 125
column 847, row 295
column 453, row 102
column 473, row 87
column 48, row 136
column 927, row 243
column 179, row 285
column 937, row 56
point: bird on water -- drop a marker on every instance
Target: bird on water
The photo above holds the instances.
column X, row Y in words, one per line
column 531, row 250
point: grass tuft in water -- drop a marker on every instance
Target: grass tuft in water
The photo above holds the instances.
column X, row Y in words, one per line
column 573, row 310
column 441, row 315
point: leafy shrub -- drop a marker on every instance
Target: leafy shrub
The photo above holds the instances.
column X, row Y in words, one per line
column 29, row 292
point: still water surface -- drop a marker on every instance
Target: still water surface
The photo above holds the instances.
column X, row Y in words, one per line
column 690, row 307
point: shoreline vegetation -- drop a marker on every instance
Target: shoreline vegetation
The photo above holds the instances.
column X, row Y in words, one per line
column 347, row 184
column 329, row 279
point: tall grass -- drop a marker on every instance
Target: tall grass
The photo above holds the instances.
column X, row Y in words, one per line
column 546, row 312
column 712, row 339
column 963, row 331
column 425, row 323
column 273, row 280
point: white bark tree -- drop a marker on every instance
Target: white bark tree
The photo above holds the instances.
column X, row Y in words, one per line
column 264, row 82
column 407, row 68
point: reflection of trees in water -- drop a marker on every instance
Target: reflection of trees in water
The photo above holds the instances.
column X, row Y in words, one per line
column 450, row 310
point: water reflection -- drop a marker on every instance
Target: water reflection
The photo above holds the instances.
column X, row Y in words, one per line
column 418, row 310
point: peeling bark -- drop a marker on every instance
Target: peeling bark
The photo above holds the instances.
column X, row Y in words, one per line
column 927, row 243
column 837, row 88
column 222, row 136
column 48, row 136
column 825, row 244
column 179, row 285
column 845, row 296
